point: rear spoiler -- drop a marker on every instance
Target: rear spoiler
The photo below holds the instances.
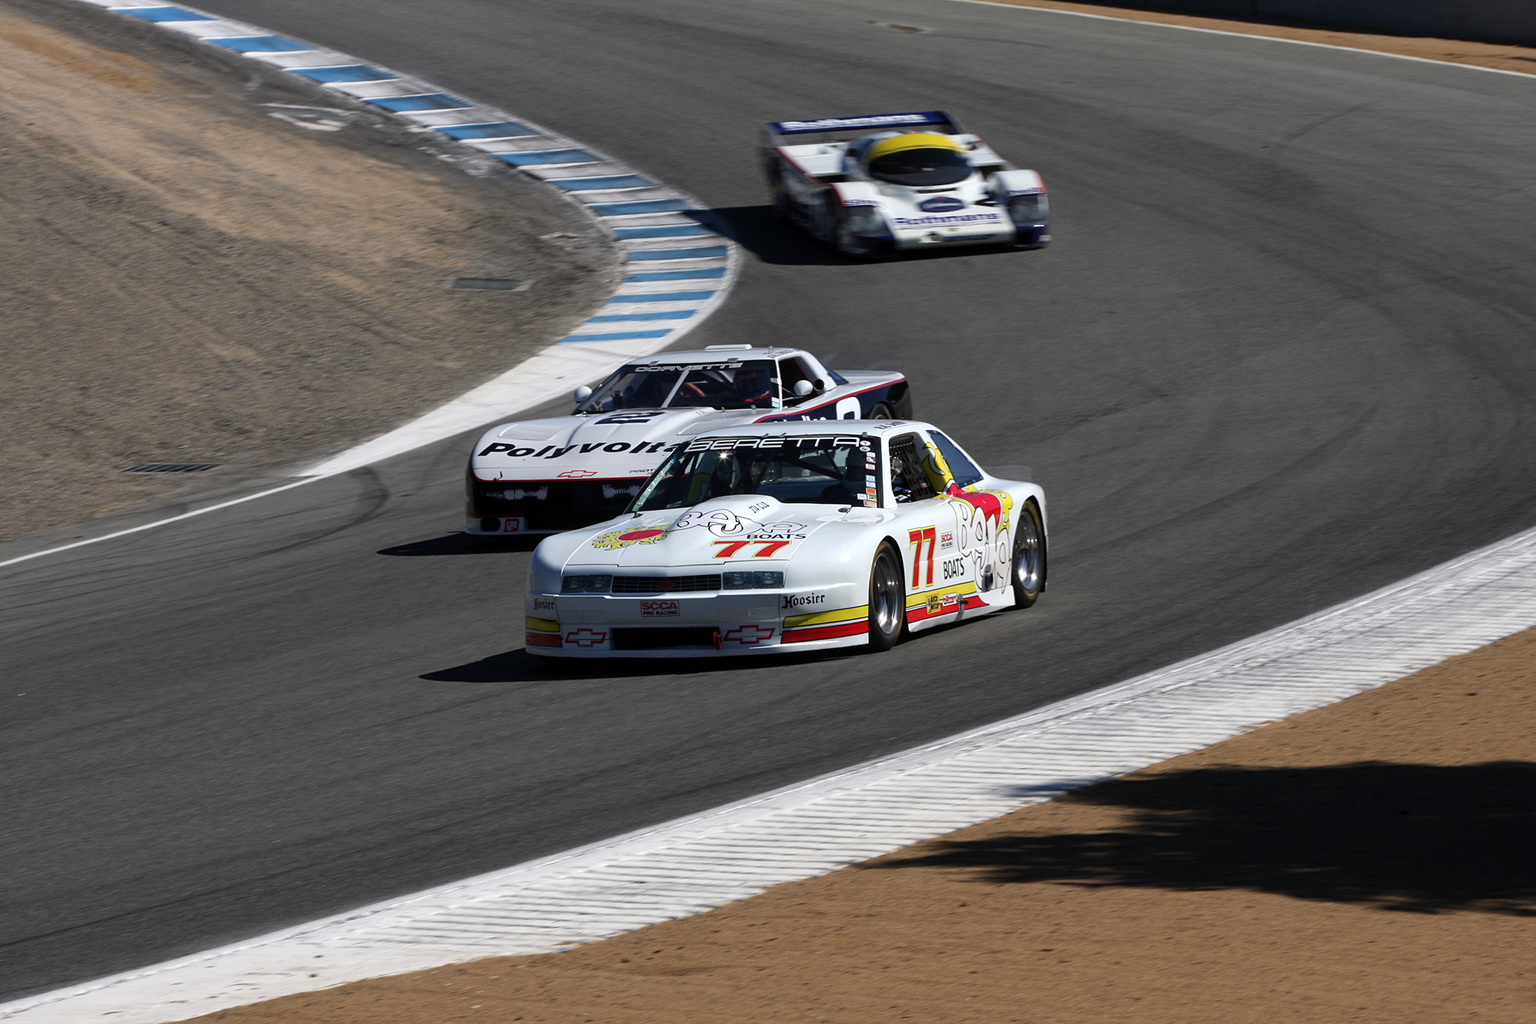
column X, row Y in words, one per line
column 831, row 127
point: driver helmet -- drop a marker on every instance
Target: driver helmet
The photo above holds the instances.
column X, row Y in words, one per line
column 754, row 383
column 916, row 158
column 899, row 478
column 723, row 478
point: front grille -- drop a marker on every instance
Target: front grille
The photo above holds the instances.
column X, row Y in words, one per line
column 665, row 584
column 669, row 636
column 566, row 504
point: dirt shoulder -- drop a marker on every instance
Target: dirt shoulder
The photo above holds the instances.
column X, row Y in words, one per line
column 1454, row 51
column 1367, row 862
column 195, row 268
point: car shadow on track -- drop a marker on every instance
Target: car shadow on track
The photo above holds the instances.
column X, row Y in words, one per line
column 1403, row 837
column 518, row 666
column 462, row 544
column 757, row 230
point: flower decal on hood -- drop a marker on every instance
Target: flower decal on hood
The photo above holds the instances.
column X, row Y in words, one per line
column 616, row 539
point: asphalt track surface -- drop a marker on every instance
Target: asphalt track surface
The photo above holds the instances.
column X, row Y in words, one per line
column 1280, row 355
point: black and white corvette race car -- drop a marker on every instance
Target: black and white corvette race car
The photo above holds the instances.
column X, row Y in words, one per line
column 881, row 184
column 546, row 476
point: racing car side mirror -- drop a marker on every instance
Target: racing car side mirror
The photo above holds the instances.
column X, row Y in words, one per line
column 583, row 393
column 804, row 387
column 822, row 385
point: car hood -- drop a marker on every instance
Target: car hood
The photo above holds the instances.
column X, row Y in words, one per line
column 624, row 444
column 741, row 531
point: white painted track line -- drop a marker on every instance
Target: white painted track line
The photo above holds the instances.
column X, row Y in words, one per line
column 735, row 851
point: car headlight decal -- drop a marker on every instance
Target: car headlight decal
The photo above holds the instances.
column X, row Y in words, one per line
column 1029, row 210
column 865, row 220
column 591, row 583
column 754, row 580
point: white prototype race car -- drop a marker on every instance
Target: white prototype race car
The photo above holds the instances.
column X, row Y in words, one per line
column 877, row 185
column 791, row 537
column 544, row 476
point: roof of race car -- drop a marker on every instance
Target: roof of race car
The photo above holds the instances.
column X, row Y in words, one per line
column 813, row 428
column 716, row 354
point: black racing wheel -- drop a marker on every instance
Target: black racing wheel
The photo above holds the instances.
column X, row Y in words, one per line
column 887, row 599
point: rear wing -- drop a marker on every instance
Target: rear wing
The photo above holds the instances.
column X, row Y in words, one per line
column 841, row 129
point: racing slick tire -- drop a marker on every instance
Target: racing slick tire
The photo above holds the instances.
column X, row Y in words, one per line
column 1028, row 562
column 887, row 600
column 778, row 194
column 881, row 411
column 835, row 230
column 856, row 246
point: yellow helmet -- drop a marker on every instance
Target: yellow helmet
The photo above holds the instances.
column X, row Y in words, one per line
column 912, row 140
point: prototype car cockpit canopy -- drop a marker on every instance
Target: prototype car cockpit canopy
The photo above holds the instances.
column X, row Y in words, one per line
column 914, row 159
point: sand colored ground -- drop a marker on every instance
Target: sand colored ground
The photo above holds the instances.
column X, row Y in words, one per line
column 1366, row 862
column 186, row 277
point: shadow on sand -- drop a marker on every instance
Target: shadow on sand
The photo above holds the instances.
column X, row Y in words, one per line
column 1405, row 837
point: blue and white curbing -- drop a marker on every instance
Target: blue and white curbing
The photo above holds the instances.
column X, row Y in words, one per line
column 677, row 269
column 732, row 852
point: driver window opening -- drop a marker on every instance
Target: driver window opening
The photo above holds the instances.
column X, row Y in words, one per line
column 746, row 385
column 910, row 478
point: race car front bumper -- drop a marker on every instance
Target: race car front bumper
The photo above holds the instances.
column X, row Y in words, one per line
column 1020, row 237
column 674, row 625
column 509, row 507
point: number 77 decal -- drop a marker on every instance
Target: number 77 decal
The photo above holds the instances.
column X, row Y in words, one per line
column 930, row 536
column 765, row 548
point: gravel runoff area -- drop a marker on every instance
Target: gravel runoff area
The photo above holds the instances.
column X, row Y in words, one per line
column 198, row 266
column 1366, row 862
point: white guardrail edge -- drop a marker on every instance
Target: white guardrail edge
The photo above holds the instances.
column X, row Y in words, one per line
column 703, row 861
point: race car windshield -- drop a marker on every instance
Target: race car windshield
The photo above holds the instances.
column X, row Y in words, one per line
column 750, row 384
column 921, row 167
column 803, row 470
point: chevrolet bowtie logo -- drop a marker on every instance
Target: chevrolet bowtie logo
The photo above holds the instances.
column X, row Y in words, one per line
column 749, row 635
column 585, row 637
column 577, row 474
